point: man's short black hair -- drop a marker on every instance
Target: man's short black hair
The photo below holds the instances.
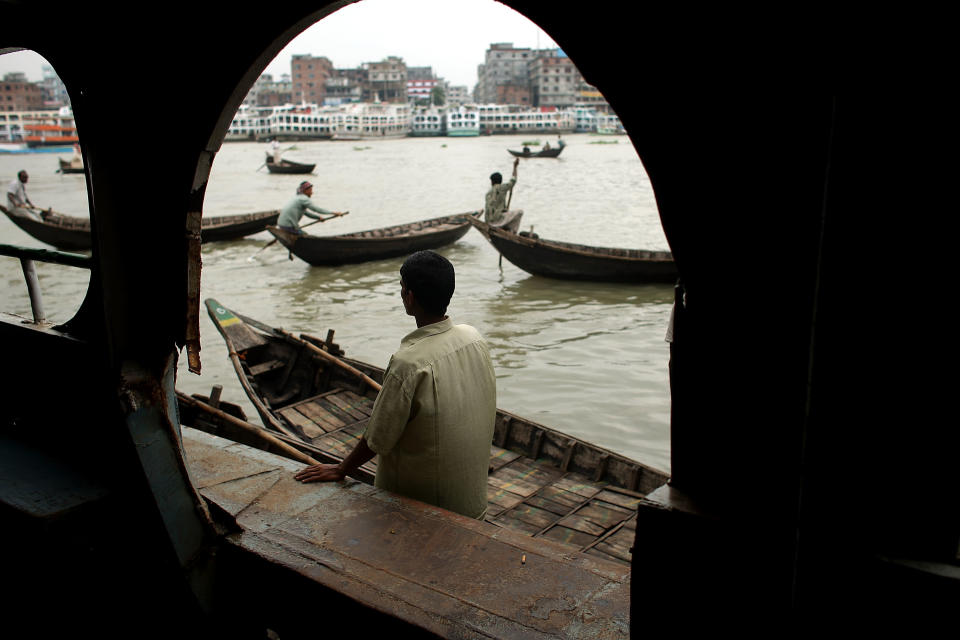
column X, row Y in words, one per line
column 430, row 276
column 496, row 178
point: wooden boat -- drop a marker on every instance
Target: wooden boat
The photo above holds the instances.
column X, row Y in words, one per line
column 510, row 223
column 541, row 481
column 68, row 167
column 552, row 152
column 70, row 233
column 67, row 233
column 288, row 166
column 568, row 261
column 375, row 244
column 217, row 228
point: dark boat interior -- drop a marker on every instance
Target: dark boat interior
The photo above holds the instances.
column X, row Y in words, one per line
column 812, row 467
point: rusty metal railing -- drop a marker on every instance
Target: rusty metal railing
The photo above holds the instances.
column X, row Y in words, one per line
column 27, row 259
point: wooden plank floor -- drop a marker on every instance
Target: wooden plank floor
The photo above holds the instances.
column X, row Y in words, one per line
column 523, row 495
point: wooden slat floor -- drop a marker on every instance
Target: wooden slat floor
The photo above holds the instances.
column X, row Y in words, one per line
column 523, row 494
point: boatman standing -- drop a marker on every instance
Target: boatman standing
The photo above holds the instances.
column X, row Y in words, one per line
column 496, row 200
column 301, row 205
column 432, row 422
column 17, row 192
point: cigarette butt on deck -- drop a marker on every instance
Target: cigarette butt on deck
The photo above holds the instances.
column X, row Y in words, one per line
column 523, row 559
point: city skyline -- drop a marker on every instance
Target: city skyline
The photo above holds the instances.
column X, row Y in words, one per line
column 416, row 30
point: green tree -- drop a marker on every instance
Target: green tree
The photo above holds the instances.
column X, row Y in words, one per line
column 437, row 96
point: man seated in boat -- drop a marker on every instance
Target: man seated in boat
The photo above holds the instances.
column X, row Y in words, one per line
column 301, row 205
column 17, row 192
column 496, row 200
column 432, row 422
column 76, row 160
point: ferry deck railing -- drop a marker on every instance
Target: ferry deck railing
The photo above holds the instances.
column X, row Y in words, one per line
column 28, row 257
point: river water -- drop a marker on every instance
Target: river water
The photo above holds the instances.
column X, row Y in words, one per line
column 588, row 359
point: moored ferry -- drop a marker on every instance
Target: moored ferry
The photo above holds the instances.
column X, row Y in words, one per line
column 504, row 118
column 463, row 121
column 428, row 121
column 27, row 130
column 370, row 120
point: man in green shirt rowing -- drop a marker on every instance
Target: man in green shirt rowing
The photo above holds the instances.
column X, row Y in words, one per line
column 301, row 205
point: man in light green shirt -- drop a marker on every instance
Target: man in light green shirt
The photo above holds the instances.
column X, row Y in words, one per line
column 432, row 422
column 301, row 205
column 495, row 204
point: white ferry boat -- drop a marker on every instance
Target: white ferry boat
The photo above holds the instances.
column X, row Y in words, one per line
column 366, row 121
column 354, row 121
column 585, row 119
column 428, row 121
column 609, row 124
column 287, row 122
column 462, row 121
column 506, row 118
column 37, row 130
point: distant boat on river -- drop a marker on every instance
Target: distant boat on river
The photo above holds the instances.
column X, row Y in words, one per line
column 288, row 166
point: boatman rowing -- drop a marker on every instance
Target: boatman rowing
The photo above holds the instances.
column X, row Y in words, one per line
column 496, row 201
column 432, row 422
column 17, row 192
column 301, row 205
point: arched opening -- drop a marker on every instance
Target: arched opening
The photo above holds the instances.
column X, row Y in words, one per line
column 587, row 358
column 45, row 201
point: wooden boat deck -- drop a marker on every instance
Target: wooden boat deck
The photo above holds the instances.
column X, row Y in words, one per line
column 443, row 573
column 535, row 498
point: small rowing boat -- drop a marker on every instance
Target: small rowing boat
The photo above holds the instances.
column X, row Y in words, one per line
column 288, row 166
column 541, row 482
column 375, row 244
column 552, row 152
column 568, row 261
column 68, row 166
column 70, row 233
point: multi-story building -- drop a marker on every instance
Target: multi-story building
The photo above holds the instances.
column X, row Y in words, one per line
column 342, row 89
column 267, row 92
column 421, row 83
column 457, row 95
column 309, row 76
column 554, row 80
column 54, row 91
column 507, row 66
column 386, row 80
column 18, row 94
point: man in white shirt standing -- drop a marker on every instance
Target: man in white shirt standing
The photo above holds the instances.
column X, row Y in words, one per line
column 432, row 422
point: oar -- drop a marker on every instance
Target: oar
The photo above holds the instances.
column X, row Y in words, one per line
column 509, row 198
column 274, row 241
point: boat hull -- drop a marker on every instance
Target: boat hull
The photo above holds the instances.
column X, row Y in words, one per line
column 375, row 244
column 69, row 233
column 288, row 166
column 543, row 153
column 68, row 167
column 568, row 261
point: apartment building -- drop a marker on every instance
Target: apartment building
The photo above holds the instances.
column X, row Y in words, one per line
column 308, row 75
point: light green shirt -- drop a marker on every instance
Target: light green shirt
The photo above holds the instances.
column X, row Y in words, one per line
column 296, row 209
column 496, row 202
column 432, row 422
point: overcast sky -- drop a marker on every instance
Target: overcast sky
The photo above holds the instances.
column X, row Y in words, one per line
column 449, row 35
